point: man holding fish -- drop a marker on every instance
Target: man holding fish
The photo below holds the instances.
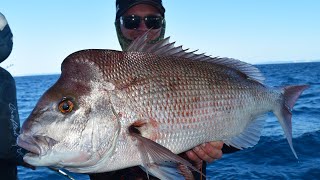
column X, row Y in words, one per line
column 133, row 19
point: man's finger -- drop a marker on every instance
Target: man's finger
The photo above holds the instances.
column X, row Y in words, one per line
column 193, row 156
column 202, row 154
column 217, row 144
column 212, row 151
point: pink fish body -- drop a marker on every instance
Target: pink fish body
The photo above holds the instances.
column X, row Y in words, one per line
column 143, row 106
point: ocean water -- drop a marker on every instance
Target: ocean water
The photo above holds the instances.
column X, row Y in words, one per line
column 271, row 158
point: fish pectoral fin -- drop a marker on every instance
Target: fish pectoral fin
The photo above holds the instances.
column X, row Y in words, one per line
column 159, row 161
column 250, row 136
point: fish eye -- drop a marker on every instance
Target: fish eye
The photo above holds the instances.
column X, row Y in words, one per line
column 65, row 105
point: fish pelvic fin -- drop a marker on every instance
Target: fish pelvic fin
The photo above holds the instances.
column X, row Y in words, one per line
column 169, row 171
column 160, row 161
column 284, row 115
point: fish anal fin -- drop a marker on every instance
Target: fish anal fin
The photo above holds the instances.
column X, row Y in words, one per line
column 250, row 136
column 159, row 160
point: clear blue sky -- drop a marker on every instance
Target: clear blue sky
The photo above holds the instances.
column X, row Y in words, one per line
column 254, row 31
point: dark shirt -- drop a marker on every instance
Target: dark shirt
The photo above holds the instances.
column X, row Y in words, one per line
column 8, row 171
column 10, row 154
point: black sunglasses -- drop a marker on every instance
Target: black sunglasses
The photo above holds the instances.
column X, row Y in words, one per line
column 133, row 21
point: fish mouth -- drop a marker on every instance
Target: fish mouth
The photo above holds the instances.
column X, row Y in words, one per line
column 36, row 145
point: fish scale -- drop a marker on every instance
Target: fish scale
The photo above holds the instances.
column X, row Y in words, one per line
column 180, row 98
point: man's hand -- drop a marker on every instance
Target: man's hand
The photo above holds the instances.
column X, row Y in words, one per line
column 207, row 152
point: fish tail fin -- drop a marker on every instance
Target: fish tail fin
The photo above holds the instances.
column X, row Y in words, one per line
column 290, row 96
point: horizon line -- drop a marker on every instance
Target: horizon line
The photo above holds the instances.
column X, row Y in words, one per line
column 261, row 63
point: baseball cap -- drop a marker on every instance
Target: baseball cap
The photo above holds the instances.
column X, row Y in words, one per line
column 123, row 5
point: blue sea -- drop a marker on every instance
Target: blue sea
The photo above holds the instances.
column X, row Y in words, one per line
column 271, row 158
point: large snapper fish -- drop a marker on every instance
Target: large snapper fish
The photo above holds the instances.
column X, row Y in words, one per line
column 110, row 110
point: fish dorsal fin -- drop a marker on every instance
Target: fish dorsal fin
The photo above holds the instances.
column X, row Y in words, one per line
column 165, row 48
